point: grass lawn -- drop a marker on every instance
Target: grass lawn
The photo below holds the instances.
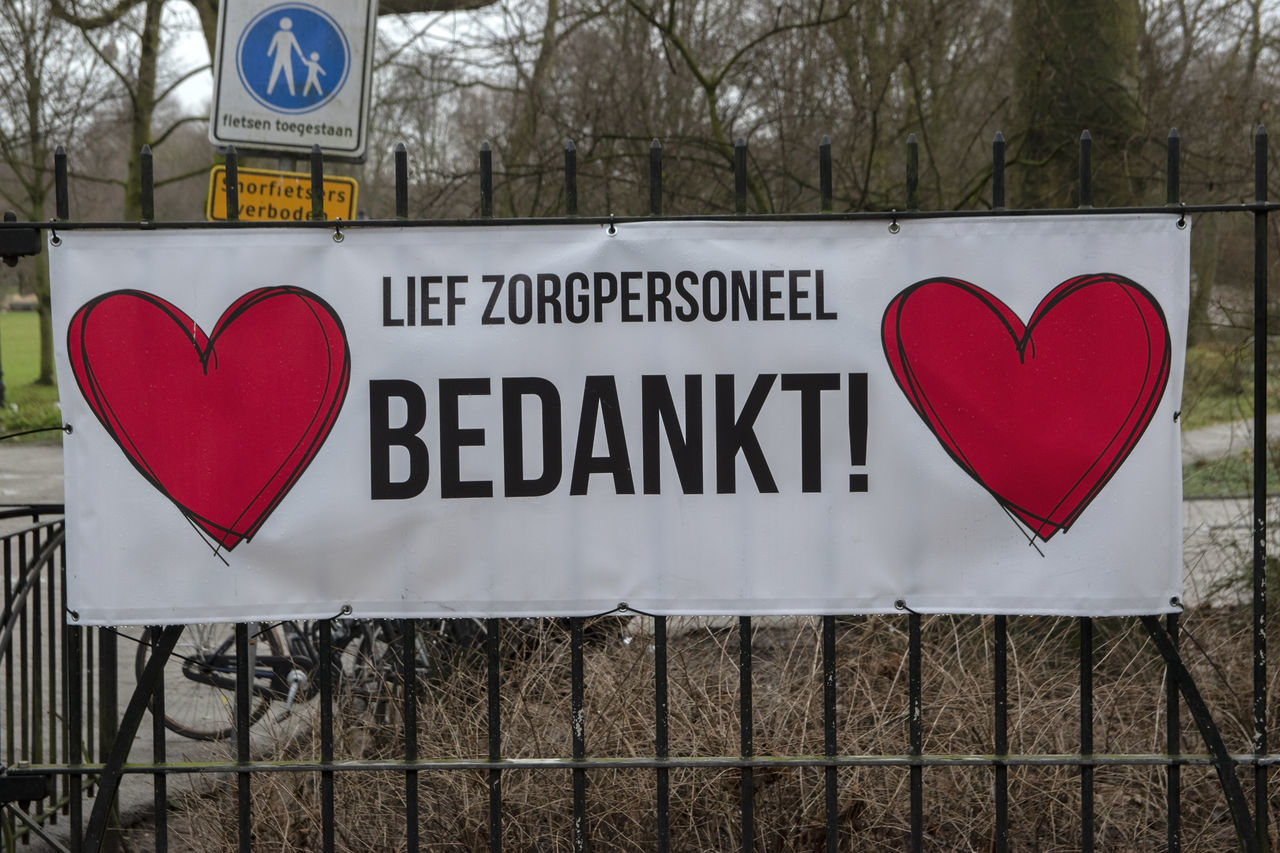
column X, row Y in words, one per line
column 27, row 406
column 1229, row 477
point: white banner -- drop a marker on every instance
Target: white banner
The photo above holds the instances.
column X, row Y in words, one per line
column 960, row 415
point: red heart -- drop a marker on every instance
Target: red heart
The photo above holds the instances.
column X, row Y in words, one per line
column 222, row 425
column 1042, row 416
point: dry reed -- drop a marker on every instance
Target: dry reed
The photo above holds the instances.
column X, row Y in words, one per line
column 1043, row 712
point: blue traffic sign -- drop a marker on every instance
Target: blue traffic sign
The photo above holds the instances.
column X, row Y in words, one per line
column 293, row 58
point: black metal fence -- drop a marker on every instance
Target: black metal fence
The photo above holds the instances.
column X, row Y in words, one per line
column 913, row 732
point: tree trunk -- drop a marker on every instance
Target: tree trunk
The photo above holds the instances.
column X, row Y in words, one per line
column 1075, row 69
column 1204, row 268
column 144, row 107
column 44, row 303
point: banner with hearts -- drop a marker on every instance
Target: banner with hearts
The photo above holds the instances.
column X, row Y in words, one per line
column 963, row 415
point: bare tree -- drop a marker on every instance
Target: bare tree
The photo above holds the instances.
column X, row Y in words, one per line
column 49, row 95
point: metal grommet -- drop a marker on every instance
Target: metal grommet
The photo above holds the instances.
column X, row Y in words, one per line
column 900, row 604
column 1175, row 601
column 345, row 610
column 54, row 239
column 337, row 234
column 67, row 429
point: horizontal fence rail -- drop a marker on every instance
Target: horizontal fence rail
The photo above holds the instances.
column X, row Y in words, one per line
column 907, row 731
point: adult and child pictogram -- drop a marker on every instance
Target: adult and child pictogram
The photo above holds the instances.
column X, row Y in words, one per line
column 293, row 58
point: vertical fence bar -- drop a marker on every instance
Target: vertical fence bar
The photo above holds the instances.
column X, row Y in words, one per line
column 746, row 717
column 655, row 178
column 61, row 192
column 1261, row 807
column 578, row 713
column 326, row 735
column 75, row 725
column 915, row 691
column 1086, row 624
column 231, row 184
column 740, row 176
column 830, row 775
column 486, row 180
column 160, row 780
column 495, row 732
column 37, row 666
column 824, row 175
column 570, row 178
column 53, row 658
column 662, row 747
column 10, row 725
column 24, row 668
column 1086, row 169
column 65, row 674
column 1000, row 664
column 148, row 181
column 1173, row 746
column 915, row 711
column 402, row 183
column 913, row 172
column 1172, row 703
column 997, row 172
column 317, row 183
column 1086, row 733
column 243, row 699
column 90, row 703
column 409, row 674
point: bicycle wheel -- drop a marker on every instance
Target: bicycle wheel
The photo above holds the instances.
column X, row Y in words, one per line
column 200, row 679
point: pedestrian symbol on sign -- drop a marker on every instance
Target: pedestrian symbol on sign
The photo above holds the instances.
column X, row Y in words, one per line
column 284, row 54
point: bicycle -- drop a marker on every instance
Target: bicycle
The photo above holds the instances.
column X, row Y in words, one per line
column 365, row 662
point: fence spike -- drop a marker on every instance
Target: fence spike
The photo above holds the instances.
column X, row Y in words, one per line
column 655, row 178
column 231, row 184
column 1086, row 169
column 402, row 181
column 740, row 176
column 570, row 178
column 147, row 194
column 913, row 172
column 997, row 171
column 486, row 180
column 317, row 183
column 60, row 192
column 824, row 175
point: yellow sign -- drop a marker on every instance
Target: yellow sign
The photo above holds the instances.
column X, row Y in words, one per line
column 267, row 196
